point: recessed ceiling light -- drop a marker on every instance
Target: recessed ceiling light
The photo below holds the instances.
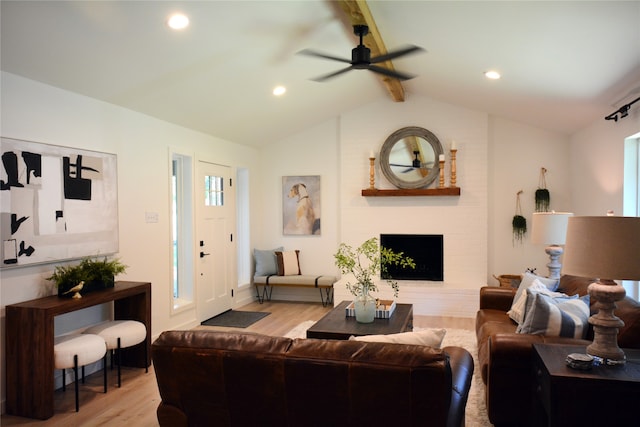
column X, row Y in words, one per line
column 279, row 90
column 178, row 21
column 492, row 74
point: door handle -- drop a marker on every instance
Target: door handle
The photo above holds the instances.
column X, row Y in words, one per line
column 202, row 254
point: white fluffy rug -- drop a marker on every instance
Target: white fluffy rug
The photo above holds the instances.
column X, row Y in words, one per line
column 476, row 411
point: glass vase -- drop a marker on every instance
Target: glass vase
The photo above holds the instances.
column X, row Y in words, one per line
column 365, row 307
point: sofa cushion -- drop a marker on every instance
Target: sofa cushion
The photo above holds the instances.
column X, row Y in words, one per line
column 288, row 263
column 429, row 337
column 266, row 261
column 555, row 315
column 517, row 308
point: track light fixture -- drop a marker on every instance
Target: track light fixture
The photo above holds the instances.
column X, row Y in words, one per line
column 623, row 111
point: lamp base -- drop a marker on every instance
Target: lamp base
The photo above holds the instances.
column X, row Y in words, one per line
column 606, row 324
column 554, row 266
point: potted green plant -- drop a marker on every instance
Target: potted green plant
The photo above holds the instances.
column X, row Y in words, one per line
column 365, row 263
column 89, row 275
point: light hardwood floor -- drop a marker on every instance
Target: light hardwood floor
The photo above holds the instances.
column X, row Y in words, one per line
column 135, row 403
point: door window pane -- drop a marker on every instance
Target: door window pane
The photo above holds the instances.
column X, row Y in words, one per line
column 214, row 191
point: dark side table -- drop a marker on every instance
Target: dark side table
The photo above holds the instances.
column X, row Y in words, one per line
column 601, row 396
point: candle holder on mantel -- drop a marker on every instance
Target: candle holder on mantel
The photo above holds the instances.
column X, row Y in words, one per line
column 441, row 184
column 454, row 177
column 372, row 174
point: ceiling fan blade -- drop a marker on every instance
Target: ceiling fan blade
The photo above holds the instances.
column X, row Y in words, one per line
column 407, row 168
column 331, row 75
column 396, row 53
column 310, row 52
column 389, row 73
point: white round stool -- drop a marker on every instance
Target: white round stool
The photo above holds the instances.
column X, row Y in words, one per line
column 71, row 351
column 119, row 334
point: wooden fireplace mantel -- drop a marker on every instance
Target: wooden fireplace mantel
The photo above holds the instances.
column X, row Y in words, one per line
column 446, row 191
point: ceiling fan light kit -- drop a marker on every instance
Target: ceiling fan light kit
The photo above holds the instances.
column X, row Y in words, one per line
column 361, row 58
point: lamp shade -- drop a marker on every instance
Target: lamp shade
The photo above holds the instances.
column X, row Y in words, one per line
column 603, row 247
column 549, row 228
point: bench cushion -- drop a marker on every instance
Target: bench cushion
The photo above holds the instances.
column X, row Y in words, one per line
column 299, row 280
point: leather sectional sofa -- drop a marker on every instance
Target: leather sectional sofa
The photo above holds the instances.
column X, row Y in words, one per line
column 242, row 379
column 505, row 357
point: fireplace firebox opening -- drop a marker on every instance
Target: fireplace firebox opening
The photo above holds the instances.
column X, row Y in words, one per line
column 427, row 251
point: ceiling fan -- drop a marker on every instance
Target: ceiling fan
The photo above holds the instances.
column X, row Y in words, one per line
column 361, row 58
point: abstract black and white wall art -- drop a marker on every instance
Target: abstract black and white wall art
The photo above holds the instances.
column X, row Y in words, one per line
column 57, row 203
column 301, row 205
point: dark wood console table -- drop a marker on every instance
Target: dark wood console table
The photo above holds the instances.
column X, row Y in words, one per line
column 30, row 337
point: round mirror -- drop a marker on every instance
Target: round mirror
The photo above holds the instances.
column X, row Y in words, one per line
column 409, row 157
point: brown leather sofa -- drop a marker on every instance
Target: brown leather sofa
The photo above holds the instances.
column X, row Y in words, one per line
column 239, row 379
column 505, row 358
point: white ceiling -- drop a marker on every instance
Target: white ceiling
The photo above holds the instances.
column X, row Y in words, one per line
column 564, row 64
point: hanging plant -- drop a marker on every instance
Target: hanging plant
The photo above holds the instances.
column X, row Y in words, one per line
column 542, row 194
column 519, row 223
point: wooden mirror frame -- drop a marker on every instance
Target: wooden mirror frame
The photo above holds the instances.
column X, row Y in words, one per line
column 399, row 135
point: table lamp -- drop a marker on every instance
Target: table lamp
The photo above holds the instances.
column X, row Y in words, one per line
column 604, row 247
column 550, row 228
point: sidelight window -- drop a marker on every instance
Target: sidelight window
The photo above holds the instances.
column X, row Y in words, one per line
column 182, row 230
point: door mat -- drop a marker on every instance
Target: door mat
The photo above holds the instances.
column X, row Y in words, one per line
column 236, row 319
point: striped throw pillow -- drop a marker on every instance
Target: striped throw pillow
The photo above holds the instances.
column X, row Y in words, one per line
column 555, row 316
column 288, row 263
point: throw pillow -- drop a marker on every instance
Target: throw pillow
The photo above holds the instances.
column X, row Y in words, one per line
column 517, row 306
column 266, row 261
column 555, row 316
column 429, row 337
column 288, row 263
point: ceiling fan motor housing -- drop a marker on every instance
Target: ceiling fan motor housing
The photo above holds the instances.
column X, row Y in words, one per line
column 360, row 56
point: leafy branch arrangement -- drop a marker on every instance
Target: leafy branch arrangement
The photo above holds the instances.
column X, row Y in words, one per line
column 366, row 262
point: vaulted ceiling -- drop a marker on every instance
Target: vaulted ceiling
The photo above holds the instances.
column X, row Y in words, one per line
column 564, row 64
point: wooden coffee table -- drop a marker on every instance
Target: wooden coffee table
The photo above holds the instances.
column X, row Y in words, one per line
column 337, row 326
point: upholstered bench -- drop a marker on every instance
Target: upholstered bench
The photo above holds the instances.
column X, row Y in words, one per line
column 277, row 267
column 323, row 283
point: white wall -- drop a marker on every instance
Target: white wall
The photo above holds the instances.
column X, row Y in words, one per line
column 517, row 152
column 597, row 158
column 312, row 152
column 462, row 220
column 41, row 113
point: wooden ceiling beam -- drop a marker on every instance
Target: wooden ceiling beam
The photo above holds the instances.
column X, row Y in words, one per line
column 356, row 12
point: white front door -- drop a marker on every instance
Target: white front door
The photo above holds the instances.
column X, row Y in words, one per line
column 215, row 252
